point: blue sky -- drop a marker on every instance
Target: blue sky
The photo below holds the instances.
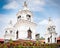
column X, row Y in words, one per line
column 41, row 9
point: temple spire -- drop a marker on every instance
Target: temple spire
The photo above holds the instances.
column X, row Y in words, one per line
column 10, row 22
column 50, row 19
column 25, row 5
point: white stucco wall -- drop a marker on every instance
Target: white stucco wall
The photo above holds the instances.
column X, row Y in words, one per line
column 22, row 26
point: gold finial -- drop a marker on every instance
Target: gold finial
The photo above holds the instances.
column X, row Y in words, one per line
column 25, row 5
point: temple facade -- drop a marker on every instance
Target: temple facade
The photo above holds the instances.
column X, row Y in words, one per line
column 50, row 35
column 24, row 28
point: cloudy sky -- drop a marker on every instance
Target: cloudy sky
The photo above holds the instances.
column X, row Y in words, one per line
column 41, row 9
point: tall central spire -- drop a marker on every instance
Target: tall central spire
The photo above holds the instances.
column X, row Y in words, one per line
column 25, row 5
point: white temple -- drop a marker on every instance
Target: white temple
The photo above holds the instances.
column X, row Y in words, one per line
column 24, row 28
column 50, row 35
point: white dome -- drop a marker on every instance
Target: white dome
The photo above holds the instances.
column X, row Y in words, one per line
column 24, row 12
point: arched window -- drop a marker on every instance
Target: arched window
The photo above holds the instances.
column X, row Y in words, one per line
column 48, row 29
column 29, row 34
column 53, row 28
column 11, row 31
column 19, row 17
column 48, row 39
column 17, row 34
column 37, row 36
column 5, row 31
column 28, row 17
column 55, row 39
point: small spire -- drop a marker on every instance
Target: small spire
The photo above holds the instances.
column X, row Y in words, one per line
column 49, row 18
column 29, row 30
column 25, row 5
column 10, row 22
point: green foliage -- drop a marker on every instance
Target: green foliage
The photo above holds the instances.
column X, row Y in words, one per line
column 19, row 46
column 14, row 46
column 0, row 45
column 11, row 41
column 5, row 46
column 41, row 46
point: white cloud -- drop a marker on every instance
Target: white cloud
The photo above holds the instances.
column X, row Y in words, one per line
column 33, row 5
column 53, row 3
column 11, row 5
column 43, row 22
column 57, row 23
column 36, row 5
column 7, row 18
